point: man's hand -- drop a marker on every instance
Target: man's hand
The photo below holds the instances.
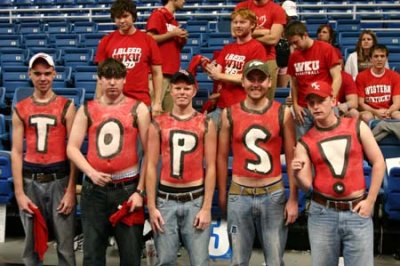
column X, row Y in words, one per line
column 212, row 71
column 156, row 220
column 364, row 208
column 291, row 211
column 202, row 220
column 381, row 113
column 24, row 202
column 156, row 109
column 100, row 179
column 67, row 203
column 136, row 201
column 299, row 113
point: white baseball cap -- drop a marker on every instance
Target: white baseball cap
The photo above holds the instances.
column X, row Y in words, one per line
column 290, row 8
column 45, row 56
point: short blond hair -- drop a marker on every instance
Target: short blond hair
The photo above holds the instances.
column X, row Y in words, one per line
column 246, row 14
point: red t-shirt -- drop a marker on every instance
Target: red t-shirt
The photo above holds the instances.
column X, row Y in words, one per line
column 45, row 130
column 311, row 65
column 337, row 156
column 138, row 52
column 112, row 135
column 162, row 21
column 256, row 140
column 232, row 58
column 267, row 15
column 348, row 87
column 182, row 147
column 378, row 91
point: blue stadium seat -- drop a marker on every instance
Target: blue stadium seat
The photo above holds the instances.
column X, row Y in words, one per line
column 66, row 40
column 2, row 97
column 29, row 27
column 14, row 77
column 84, row 27
column 63, row 77
column 10, row 41
column 58, row 27
column 6, row 182
column 200, row 98
column 196, row 40
column 197, row 26
column 301, row 197
column 23, row 3
column 86, row 77
column 12, row 57
column 348, row 25
column 7, row 28
column 77, row 56
column 219, row 39
column 5, row 165
column 281, row 94
column 91, row 40
column 3, row 131
column 44, row 3
column 391, row 187
column 35, row 40
column 55, row 53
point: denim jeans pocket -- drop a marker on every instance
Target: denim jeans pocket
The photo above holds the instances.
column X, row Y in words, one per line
column 197, row 203
column 278, row 197
column 161, row 202
column 316, row 209
column 233, row 198
column 87, row 189
column 129, row 189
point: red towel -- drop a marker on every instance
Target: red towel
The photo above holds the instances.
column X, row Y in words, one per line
column 128, row 218
column 40, row 233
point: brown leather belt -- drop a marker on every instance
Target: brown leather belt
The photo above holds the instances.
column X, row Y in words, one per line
column 181, row 197
column 338, row 205
column 236, row 189
column 44, row 177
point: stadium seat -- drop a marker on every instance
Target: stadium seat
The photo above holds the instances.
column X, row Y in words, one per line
column 3, row 131
column 55, row 53
column 23, row 3
column 77, row 56
column 197, row 26
column 281, row 94
column 7, row 28
column 35, row 40
column 219, row 40
column 58, row 27
column 66, row 40
column 44, row 3
column 348, row 25
column 10, row 41
column 12, row 57
column 63, row 77
column 14, row 77
column 84, row 27
column 29, row 27
column 86, row 77
column 391, row 187
column 91, row 40
column 200, row 98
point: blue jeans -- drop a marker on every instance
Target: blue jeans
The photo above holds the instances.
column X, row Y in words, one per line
column 179, row 218
column 98, row 204
column 262, row 215
column 47, row 196
column 328, row 230
column 216, row 116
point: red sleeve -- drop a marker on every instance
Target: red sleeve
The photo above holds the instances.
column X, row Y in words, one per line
column 101, row 50
column 348, row 84
column 221, row 57
column 331, row 56
column 279, row 16
column 258, row 52
column 396, row 83
column 240, row 5
column 360, row 85
column 155, row 22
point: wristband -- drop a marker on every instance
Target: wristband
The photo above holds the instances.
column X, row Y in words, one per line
column 141, row 192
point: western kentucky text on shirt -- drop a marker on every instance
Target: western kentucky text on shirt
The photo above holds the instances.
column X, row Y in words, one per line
column 307, row 68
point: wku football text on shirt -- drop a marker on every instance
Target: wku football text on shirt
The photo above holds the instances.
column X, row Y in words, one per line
column 307, row 68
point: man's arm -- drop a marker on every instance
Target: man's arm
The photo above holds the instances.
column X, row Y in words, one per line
column 157, row 79
column 16, row 158
column 395, row 105
column 68, row 201
column 336, row 79
column 298, row 110
column 375, row 157
column 203, row 218
column 176, row 32
column 363, row 106
column 289, row 141
column 143, row 122
column 222, row 159
column 78, row 132
column 153, row 151
column 301, row 166
column 269, row 37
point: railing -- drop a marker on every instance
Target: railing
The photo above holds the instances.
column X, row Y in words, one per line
column 216, row 11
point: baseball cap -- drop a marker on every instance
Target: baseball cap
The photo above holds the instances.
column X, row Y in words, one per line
column 183, row 74
column 290, row 8
column 319, row 88
column 255, row 64
column 44, row 56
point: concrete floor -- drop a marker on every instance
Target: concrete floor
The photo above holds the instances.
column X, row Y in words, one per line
column 10, row 255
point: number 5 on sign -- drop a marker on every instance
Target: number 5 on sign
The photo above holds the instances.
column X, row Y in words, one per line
column 218, row 247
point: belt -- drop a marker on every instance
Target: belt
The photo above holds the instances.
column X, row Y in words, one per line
column 43, row 177
column 181, row 197
column 237, row 189
column 338, row 205
column 119, row 184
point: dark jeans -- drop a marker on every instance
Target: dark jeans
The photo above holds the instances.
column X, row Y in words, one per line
column 98, row 204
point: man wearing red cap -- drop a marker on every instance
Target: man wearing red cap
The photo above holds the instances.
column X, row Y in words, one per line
column 181, row 203
column 341, row 209
column 256, row 130
column 113, row 123
column 44, row 180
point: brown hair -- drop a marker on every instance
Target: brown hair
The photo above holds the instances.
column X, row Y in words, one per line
column 361, row 56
